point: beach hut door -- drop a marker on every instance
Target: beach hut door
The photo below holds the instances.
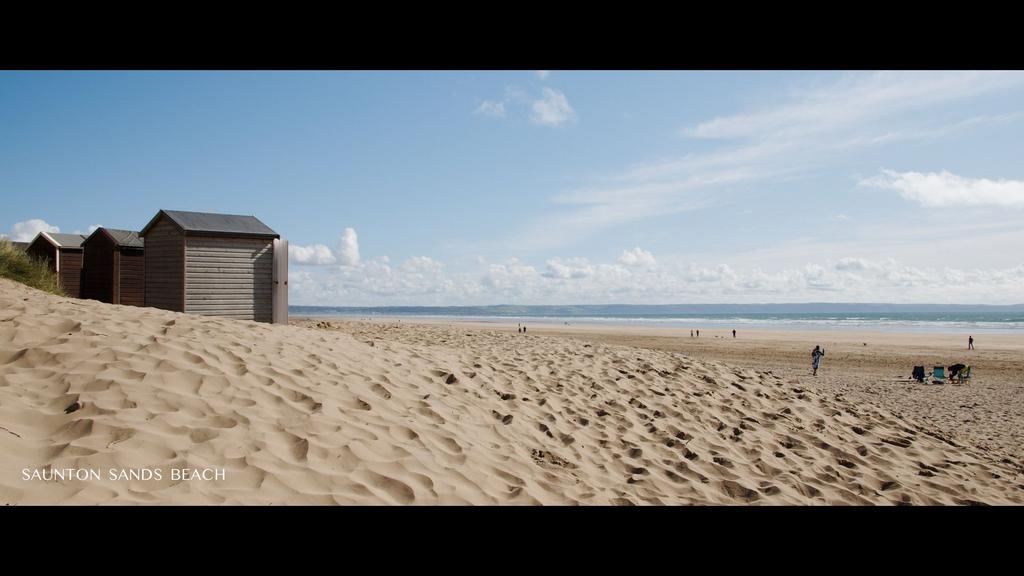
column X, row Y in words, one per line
column 280, row 292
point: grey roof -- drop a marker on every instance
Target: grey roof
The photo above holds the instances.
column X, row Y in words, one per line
column 65, row 240
column 127, row 238
column 210, row 223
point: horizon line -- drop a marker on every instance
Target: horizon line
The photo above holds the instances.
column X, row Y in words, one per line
column 1017, row 305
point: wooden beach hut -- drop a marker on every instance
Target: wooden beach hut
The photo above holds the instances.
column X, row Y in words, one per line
column 64, row 254
column 114, row 267
column 210, row 264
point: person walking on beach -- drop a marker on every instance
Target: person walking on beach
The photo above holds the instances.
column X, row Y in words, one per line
column 816, row 355
column 698, row 333
column 734, row 333
column 691, row 333
column 970, row 342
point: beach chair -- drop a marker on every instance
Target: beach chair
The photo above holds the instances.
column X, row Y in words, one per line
column 964, row 375
column 939, row 373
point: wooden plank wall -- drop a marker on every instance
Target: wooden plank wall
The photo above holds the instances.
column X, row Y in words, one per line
column 133, row 277
column 71, row 272
column 230, row 277
column 164, row 265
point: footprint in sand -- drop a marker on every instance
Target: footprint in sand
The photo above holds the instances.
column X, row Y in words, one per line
column 739, row 492
column 452, row 446
column 381, row 391
column 505, row 418
column 898, row 442
column 395, row 489
column 201, row 435
column 886, row 485
column 433, row 416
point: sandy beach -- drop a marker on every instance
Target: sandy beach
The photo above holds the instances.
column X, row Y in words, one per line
column 396, row 413
column 866, row 367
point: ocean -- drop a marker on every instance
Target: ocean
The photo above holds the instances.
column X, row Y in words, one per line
column 870, row 317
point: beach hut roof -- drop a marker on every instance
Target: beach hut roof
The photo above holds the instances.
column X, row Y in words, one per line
column 214, row 224
column 122, row 238
column 64, row 240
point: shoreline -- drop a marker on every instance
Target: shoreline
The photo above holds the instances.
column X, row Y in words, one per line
column 742, row 323
column 953, row 340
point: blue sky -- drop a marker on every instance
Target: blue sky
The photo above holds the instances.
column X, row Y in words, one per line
column 551, row 187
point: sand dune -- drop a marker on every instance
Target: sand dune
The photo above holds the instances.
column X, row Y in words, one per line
column 353, row 413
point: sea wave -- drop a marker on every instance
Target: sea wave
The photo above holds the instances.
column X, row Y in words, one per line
column 886, row 323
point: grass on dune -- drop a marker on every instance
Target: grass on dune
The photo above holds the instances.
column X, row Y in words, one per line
column 20, row 267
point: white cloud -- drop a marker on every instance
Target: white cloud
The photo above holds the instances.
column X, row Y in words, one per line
column 929, row 133
column 317, row 254
column 549, row 108
column 571, row 269
column 801, row 133
column 543, row 74
column 348, row 249
column 25, row 231
column 491, row 108
column 509, row 274
column 92, row 228
column 944, row 189
column 422, row 265
column 965, row 238
column 637, row 257
column 552, row 109
column 854, row 100
column 347, row 253
column 853, row 265
column 425, row 281
column 694, row 274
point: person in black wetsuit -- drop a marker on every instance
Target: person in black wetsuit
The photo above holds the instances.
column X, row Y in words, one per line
column 816, row 355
